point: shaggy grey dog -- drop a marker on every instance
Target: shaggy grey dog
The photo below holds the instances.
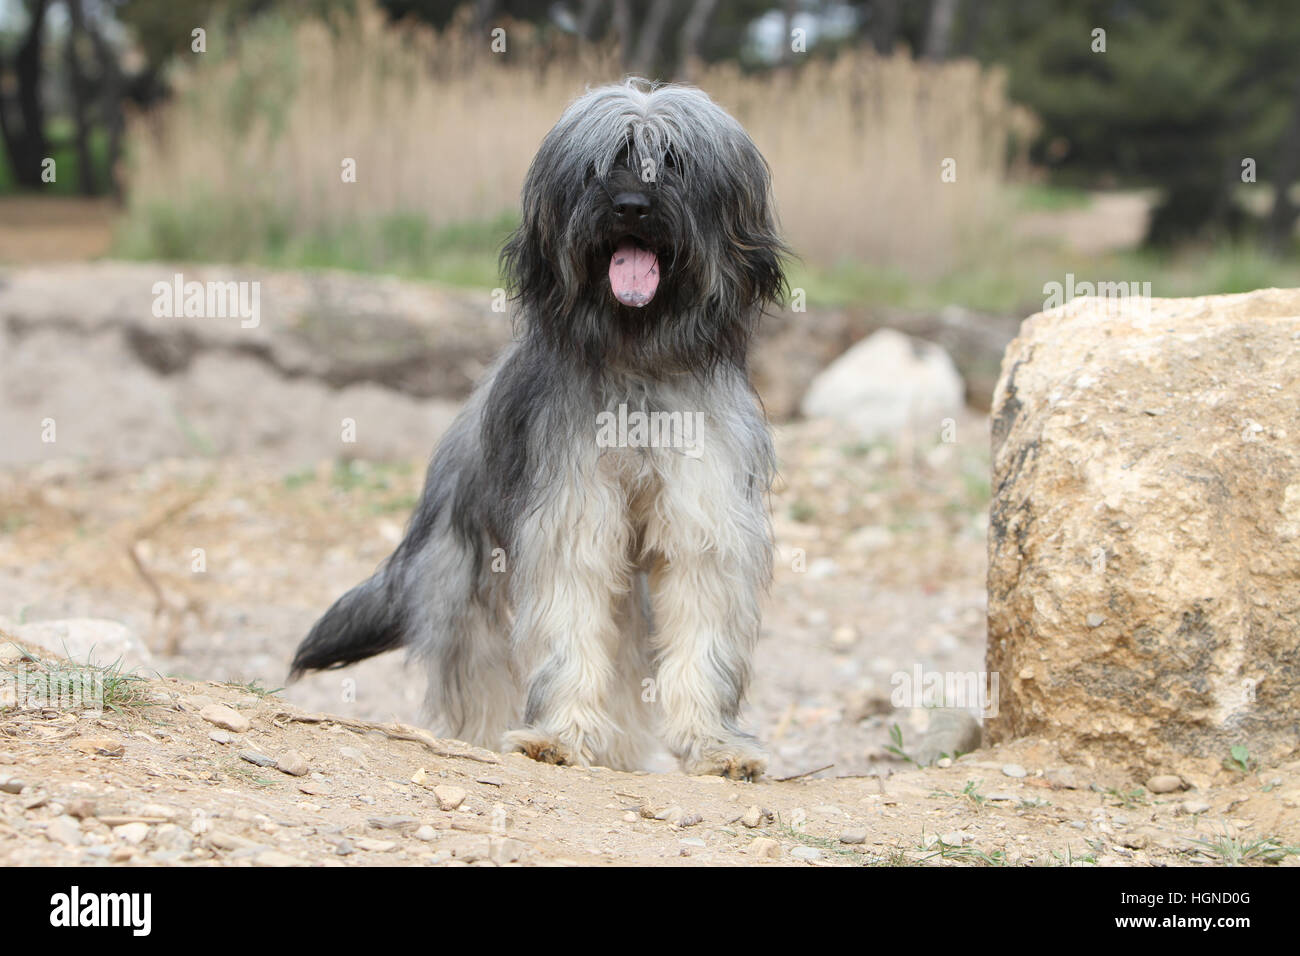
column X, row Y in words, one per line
column 583, row 572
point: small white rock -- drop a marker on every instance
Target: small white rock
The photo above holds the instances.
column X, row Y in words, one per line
column 226, row 718
column 1165, row 783
column 132, row 833
column 293, row 763
column 449, row 798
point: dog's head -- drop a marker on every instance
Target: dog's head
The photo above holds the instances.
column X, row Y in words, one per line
column 647, row 236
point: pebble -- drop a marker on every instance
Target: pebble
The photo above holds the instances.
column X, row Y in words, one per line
column 765, row 848
column 81, row 809
column 393, row 823
column 1165, row 783
column 943, row 763
column 678, row 817
column 752, row 817
column 226, row 718
column 953, row 838
column 1195, row 806
column 344, row 848
column 171, row 837
column 449, row 798
column 1062, row 778
column 222, row 737
column 12, row 785
column 491, row 781
column 293, row 763
column 949, row 731
column 504, row 850
column 64, row 830
column 161, row 810
column 695, row 842
column 252, row 756
column 228, row 841
column 1001, row 796
column 132, row 833
column 844, row 637
column 276, row 858
column 1096, row 620
column 426, row 833
column 353, row 754
column 1014, row 770
column 806, row 853
column 854, row 836
column 375, row 846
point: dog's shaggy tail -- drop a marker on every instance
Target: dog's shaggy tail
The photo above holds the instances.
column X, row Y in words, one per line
column 362, row 623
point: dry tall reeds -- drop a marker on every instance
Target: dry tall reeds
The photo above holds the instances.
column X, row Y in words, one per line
column 249, row 154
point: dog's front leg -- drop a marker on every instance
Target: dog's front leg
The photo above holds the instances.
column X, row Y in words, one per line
column 571, row 568
column 711, row 531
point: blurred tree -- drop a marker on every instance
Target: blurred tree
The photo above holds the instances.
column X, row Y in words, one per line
column 22, row 116
column 658, row 38
column 938, row 34
column 1178, row 96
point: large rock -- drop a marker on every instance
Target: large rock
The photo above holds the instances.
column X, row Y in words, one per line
column 1144, row 539
column 336, row 365
column 887, row 384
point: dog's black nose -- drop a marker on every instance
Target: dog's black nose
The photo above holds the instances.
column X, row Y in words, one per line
column 631, row 206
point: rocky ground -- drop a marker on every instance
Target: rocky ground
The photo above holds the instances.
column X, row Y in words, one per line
column 216, row 774
column 893, row 544
column 880, row 567
column 201, row 511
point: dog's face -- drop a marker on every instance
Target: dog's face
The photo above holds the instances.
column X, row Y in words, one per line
column 647, row 233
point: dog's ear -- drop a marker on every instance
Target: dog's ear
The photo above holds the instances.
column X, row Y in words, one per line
column 749, row 225
column 535, row 260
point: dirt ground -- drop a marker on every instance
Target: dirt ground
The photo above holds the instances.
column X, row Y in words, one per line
column 291, row 788
column 892, row 561
column 42, row 229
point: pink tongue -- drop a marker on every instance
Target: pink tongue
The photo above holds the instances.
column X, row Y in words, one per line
column 633, row 274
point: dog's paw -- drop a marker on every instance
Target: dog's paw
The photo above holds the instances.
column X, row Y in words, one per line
column 736, row 760
column 543, row 748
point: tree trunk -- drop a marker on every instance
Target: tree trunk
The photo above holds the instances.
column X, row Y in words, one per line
column 112, row 92
column 621, row 20
column 1281, row 222
column 79, row 92
column 938, row 36
column 886, row 15
column 697, row 21
column 24, row 131
column 587, row 17
column 652, row 31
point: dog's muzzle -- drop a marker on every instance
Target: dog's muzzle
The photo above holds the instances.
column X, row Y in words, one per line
column 633, row 268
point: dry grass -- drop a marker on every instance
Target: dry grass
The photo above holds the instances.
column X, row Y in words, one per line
column 857, row 146
column 246, row 162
